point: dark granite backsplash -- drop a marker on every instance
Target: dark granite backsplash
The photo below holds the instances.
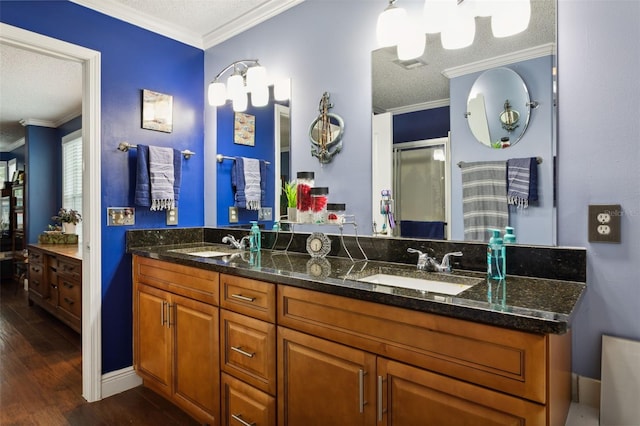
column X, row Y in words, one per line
column 557, row 263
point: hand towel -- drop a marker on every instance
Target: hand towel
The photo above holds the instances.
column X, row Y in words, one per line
column 161, row 177
column 237, row 183
column 177, row 175
column 522, row 181
column 484, row 198
column 142, row 196
column 252, row 183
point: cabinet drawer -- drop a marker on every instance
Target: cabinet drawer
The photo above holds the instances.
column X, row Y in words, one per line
column 250, row 297
column 35, row 256
column 36, row 274
column 73, row 270
column 70, row 296
column 194, row 283
column 244, row 405
column 506, row 360
column 248, row 350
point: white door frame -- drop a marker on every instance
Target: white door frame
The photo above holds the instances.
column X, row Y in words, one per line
column 91, row 143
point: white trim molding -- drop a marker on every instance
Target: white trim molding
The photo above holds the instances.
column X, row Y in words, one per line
column 91, row 250
column 35, row 122
column 438, row 103
column 502, row 60
column 119, row 381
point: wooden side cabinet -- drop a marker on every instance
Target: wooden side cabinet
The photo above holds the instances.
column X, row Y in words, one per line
column 55, row 282
column 176, row 343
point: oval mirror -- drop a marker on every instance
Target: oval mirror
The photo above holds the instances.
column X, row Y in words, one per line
column 498, row 108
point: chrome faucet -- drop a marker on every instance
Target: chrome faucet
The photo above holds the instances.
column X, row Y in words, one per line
column 240, row 245
column 428, row 263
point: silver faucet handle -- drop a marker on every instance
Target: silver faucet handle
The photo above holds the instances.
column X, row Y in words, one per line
column 423, row 259
column 446, row 264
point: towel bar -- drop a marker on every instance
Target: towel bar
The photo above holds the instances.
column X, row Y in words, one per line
column 126, row 146
column 538, row 160
column 221, row 157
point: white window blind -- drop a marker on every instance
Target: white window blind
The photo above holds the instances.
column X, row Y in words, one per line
column 72, row 176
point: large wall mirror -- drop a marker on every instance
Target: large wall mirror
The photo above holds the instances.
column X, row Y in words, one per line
column 426, row 99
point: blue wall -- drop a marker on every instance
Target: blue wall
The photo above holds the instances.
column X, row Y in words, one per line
column 132, row 59
column 420, row 125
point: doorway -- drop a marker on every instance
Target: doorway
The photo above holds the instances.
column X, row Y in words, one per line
column 91, row 246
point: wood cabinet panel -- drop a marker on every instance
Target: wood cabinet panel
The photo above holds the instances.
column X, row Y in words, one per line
column 244, row 403
column 248, row 350
column 501, row 359
column 195, row 283
column 412, row 396
column 249, row 297
column 323, row 383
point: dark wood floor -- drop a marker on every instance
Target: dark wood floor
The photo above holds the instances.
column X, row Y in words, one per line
column 41, row 377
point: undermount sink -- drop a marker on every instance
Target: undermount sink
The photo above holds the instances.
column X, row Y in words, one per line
column 423, row 284
column 201, row 252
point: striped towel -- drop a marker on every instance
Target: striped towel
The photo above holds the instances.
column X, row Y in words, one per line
column 522, row 179
column 484, row 198
column 161, row 177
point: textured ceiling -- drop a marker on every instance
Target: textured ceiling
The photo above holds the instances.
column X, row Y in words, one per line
column 44, row 90
column 396, row 88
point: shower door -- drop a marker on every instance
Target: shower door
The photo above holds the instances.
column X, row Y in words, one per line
column 421, row 182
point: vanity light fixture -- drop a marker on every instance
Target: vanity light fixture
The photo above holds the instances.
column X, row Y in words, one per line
column 248, row 76
column 394, row 28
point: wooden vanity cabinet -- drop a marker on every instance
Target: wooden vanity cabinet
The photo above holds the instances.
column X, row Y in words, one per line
column 418, row 368
column 175, row 331
column 55, row 283
column 248, row 351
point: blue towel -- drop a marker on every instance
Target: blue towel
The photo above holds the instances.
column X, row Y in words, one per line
column 238, row 182
column 142, row 195
column 422, row 229
column 522, row 181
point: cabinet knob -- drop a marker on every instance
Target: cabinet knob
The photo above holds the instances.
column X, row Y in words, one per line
column 69, row 301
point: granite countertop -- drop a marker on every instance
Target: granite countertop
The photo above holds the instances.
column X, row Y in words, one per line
column 528, row 304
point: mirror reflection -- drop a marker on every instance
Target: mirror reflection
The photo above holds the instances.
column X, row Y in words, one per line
column 426, row 98
column 493, row 108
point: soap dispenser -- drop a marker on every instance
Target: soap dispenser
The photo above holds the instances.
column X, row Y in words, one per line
column 495, row 256
column 509, row 236
column 254, row 237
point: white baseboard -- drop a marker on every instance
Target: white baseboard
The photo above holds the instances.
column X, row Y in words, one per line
column 119, row 381
column 585, row 390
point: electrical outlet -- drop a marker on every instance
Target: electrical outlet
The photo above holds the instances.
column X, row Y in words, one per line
column 233, row 214
column 265, row 213
column 604, row 223
column 172, row 216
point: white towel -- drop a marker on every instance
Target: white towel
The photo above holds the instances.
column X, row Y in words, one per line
column 161, row 178
column 252, row 191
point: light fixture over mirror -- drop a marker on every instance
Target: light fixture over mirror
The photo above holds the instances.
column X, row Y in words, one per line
column 247, row 77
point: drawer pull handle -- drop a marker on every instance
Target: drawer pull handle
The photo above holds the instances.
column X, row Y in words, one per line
column 243, row 352
column 380, row 410
column 238, row 418
column 362, row 402
column 243, row 298
column 162, row 308
column 67, row 284
column 69, row 301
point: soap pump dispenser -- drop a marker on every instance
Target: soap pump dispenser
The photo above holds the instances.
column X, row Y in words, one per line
column 495, row 256
column 509, row 236
column 254, row 237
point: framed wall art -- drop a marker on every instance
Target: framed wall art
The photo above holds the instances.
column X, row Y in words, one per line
column 244, row 129
column 157, row 111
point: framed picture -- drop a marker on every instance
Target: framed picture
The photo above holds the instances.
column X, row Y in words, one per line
column 244, row 129
column 157, row 111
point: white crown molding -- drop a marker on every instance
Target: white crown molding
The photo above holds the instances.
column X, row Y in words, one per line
column 8, row 147
column 498, row 61
column 258, row 15
column 35, row 122
column 419, row 107
column 75, row 114
column 135, row 17
column 128, row 14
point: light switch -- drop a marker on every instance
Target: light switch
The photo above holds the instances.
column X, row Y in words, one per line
column 121, row 216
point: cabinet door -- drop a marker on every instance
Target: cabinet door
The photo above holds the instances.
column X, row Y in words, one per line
column 323, row 383
column 410, row 396
column 152, row 338
column 196, row 370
